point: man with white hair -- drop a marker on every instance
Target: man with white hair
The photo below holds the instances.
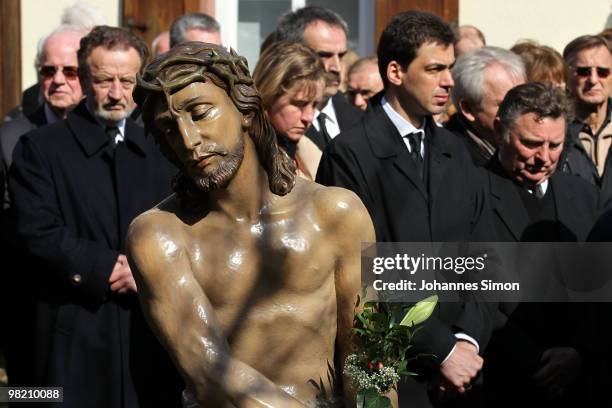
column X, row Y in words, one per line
column 56, row 64
column 83, row 15
column 482, row 79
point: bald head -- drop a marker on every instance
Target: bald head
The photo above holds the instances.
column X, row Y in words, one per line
column 469, row 38
column 161, row 43
column 57, row 70
column 364, row 81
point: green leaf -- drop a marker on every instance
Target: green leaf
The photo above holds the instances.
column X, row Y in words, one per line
column 360, row 399
column 374, row 400
column 420, row 312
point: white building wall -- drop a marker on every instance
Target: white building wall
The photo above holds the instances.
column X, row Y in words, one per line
column 550, row 22
column 39, row 17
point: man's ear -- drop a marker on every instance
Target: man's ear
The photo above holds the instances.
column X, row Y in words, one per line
column 498, row 131
column 247, row 120
column 395, row 73
column 467, row 111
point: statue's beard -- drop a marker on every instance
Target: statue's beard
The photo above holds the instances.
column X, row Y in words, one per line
column 224, row 172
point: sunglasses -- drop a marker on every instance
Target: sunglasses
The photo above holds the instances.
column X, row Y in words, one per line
column 586, row 71
column 48, row 71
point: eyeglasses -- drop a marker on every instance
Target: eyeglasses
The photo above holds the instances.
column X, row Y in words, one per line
column 586, row 71
column 48, row 71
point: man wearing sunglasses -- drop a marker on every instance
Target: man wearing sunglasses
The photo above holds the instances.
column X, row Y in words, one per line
column 56, row 62
column 589, row 136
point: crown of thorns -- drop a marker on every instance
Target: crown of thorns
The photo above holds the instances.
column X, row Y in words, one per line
column 231, row 68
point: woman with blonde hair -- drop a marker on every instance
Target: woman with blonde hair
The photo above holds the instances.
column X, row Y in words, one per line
column 542, row 63
column 290, row 79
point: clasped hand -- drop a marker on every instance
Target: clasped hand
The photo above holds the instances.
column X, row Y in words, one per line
column 458, row 371
column 121, row 279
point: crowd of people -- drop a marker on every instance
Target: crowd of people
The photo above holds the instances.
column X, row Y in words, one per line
column 441, row 137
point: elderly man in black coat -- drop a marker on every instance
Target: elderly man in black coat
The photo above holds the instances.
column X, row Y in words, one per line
column 76, row 185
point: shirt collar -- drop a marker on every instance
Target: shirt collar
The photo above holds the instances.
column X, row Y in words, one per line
column 402, row 125
column 543, row 186
column 329, row 111
column 120, row 125
column 50, row 116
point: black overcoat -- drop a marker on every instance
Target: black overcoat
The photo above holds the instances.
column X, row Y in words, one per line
column 372, row 160
column 74, row 196
column 524, row 331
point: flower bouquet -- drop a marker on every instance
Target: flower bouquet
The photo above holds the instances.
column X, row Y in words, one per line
column 382, row 341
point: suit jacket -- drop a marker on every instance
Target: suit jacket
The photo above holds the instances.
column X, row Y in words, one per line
column 75, row 195
column 10, row 132
column 371, row 160
column 347, row 116
column 17, row 351
column 460, row 129
column 575, row 160
column 576, row 202
column 523, row 331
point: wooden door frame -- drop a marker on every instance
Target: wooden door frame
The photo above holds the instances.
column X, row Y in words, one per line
column 10, row 54
column 386, row 9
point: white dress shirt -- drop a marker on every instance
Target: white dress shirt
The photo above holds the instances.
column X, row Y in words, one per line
column 331, row 121
column 404, row 127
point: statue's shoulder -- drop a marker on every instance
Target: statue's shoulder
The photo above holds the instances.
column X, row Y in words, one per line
column 160, row 221
column 333, row 204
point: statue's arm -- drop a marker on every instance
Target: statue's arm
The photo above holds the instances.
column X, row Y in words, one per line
column 184, row 321
column 350, row 224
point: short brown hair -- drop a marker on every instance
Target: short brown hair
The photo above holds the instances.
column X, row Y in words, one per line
column 110, row 38
column 582, row 43
column 404, row 35
column 543, row 100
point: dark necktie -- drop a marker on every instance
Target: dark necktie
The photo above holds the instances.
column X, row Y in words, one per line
column 112, row 132
column 415, row 151
column 322, row 128
column 537, row 191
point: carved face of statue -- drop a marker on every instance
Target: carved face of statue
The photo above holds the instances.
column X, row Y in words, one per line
column 206, row 132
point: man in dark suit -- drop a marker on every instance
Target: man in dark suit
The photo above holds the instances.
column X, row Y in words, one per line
column 60, row 90
column 417, row 181
column 537, row 351
column 324, row 31
column 76, row 185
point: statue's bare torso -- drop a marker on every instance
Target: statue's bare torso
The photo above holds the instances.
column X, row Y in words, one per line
column 271, row 283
